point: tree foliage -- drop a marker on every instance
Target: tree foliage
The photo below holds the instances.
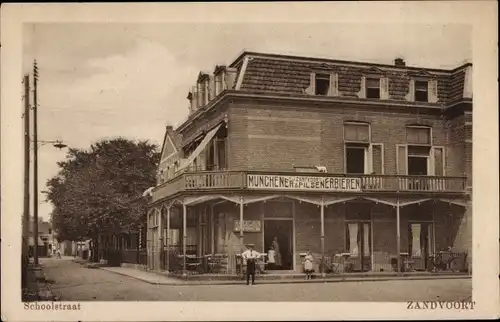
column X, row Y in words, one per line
column 98, row 191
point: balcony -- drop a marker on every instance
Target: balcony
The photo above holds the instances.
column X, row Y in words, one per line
column 210, row 181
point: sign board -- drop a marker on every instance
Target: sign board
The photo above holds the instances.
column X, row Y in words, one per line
column 251, row 226
column 303, row 183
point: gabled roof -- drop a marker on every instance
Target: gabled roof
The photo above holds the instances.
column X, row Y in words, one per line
column 172, row 136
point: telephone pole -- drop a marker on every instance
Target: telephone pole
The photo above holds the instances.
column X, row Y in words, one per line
column 26, row 212
column 35, row 164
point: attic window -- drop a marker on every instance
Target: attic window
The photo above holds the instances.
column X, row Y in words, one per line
column 421, row 91
column 373, row 88
column 322, row 84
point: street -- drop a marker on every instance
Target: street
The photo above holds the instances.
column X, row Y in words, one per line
column 75, row 282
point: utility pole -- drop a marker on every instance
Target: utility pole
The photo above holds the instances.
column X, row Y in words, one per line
column 26, row 212
column 35, row 164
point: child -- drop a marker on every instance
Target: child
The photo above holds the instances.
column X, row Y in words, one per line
column 308, row 265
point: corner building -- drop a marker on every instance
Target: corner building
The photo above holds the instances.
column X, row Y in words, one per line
column 365, row 161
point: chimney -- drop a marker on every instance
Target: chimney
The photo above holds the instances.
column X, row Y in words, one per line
column 399, row 62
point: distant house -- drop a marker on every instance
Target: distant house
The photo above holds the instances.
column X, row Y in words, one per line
column 47, row 242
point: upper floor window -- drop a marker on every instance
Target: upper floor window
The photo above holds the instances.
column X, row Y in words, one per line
column 357, row 132
column 418, row 135
column 322, row 84
column 423, row 87
column 218, row 84
column 421, row 91
column 373, row 88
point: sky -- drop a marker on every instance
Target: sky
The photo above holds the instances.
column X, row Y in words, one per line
column 103, row 80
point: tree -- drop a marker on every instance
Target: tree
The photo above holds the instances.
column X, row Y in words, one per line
column 95, row 192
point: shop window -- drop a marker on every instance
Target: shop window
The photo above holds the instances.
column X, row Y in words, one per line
column 373, row 88
column 174, row 237
column 421, row 243
column 322, row 84
column 358, row 239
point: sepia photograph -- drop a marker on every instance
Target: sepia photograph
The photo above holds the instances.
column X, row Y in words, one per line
column 260, row 162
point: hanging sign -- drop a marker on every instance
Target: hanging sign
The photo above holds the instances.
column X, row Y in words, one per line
column 251, row 226
column 304, row 183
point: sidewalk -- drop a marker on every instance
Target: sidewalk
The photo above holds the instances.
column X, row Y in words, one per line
column 38, row 287
column 163, row 279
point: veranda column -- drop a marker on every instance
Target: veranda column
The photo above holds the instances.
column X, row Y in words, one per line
column 398, row 236
column 167, row 237
column 241, row 222
column 160, row 238
column 322, row 212
column 242, row 245
column 184, row 237
column 212, row 230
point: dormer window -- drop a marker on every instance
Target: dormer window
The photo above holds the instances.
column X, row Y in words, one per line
column 322, row 84
column 421, row 91
column 423, row 87
column 374, row 84
column 373, row 88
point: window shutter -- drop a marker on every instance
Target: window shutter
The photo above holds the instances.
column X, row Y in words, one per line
column 438, row 161
column 362, row 91
column 433, row 91
column 401, row 159
column 384, row 88
column 334, row 89
column 377, row 158
column 411, row 91
column 311, row 90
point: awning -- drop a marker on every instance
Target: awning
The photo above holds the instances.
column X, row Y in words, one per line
column 200, row 148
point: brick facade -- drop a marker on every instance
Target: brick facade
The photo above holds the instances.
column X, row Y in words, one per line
column 275, row 122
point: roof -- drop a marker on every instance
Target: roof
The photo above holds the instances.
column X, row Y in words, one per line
column 43, row 227
column 319, row 60
column 175, row 137
column 271, row 74
column 280, row 75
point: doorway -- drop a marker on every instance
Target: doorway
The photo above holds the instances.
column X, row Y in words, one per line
column 418, row 165
column 282, row 229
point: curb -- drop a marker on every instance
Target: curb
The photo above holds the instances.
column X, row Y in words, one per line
column 291, row 281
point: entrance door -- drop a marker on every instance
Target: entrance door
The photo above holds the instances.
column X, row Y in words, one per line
column 282, row 230
column 421, row 244
column 358, row 242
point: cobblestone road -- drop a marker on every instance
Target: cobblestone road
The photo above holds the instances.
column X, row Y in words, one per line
column 75, row 282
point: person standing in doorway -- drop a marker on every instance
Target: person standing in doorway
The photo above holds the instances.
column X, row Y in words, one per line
column 271, row 258
column 276, row 247
column 250, row 257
